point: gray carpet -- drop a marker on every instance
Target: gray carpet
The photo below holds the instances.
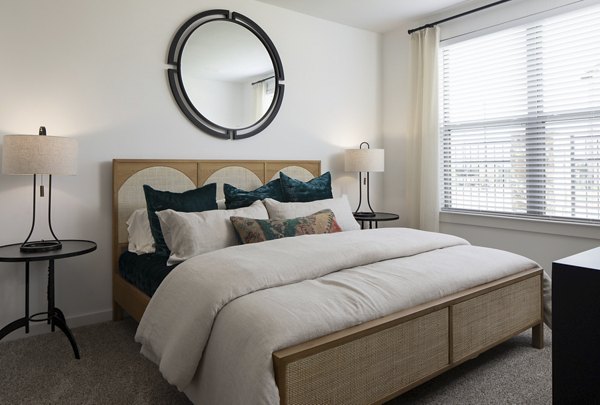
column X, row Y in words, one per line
column 42, row 370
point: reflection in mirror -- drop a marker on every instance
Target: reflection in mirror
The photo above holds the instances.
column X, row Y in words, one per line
column 227, row 74
column 227, row 77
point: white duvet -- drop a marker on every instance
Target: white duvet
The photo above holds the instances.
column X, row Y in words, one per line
column 216, row 319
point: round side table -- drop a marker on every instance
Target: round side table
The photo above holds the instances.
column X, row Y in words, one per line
column 374, row 219
column 53, row 316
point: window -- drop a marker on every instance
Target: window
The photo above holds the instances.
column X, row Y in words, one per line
column 520, row 120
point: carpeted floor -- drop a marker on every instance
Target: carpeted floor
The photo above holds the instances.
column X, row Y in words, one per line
column 42, row 370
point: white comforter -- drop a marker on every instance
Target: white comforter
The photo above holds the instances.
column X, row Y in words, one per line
column 216, row 319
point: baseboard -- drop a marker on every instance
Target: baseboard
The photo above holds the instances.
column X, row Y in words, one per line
column 40, row 328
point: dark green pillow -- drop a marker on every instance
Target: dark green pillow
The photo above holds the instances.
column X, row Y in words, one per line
column 238, row 198
column 294, row 190
column 200, row 199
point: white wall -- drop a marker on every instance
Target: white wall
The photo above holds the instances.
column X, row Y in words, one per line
column 95, row 71
column 543, row 242
column 219, row 101
column 396, row 109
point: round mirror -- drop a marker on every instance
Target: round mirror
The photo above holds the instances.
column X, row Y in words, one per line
column 231, row 85
column 227, row 75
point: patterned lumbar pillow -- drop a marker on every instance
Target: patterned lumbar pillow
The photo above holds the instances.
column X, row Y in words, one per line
column 252, row 230
column 340, row 207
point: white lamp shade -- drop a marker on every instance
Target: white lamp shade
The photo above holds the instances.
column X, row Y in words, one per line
column 364, row 160
column 39, row 154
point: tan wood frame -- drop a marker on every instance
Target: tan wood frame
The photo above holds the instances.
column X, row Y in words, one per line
column 127, row 297
column 378, row 360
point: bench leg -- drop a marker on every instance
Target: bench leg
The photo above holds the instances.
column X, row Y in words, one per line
column 537, row 336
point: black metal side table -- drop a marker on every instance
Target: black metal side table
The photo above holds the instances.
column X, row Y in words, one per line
column 54, row 316
column 374, row 219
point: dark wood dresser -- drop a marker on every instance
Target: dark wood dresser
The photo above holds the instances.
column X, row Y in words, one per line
column 576, row 329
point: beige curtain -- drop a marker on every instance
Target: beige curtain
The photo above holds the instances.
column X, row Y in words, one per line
column 425, row 127
column 263, row 96
column 260, row 92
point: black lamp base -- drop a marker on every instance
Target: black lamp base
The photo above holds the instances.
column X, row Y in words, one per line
column 41, row 246
column 364, row 214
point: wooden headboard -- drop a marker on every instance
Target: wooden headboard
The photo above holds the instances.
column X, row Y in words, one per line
column 180, row 175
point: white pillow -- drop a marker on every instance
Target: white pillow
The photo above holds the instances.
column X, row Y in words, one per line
column 340, row 207
column 188, row 234
column 139, row 235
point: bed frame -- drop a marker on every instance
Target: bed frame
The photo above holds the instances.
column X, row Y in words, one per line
column 369, row 363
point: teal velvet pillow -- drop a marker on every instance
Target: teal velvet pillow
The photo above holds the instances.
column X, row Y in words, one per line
column 294, row 190
column 238, row 198
column 251, row 230
column 200, row 199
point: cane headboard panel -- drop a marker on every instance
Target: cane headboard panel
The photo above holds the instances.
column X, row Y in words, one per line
column 129, row 175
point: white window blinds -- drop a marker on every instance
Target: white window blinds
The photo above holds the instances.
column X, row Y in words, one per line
column 520, row 120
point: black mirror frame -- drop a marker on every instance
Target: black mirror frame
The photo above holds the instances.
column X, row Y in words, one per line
column 182, row 98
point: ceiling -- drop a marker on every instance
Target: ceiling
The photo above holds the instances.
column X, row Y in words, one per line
column 372, row 15
column 221, row 51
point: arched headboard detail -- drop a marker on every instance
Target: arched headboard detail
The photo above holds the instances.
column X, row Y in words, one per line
column 131, row 194
column 237, row 176
column 179, row 175
column 296, row 172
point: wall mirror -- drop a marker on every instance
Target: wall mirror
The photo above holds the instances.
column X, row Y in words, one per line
column 226, row 74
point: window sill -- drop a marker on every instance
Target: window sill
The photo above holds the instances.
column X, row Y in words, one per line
column 578, row 230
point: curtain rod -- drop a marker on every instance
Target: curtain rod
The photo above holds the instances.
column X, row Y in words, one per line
column 457, row 16
column 263, row 80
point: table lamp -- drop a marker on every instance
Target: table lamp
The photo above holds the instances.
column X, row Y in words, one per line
column 364, row 160
column 39, row 155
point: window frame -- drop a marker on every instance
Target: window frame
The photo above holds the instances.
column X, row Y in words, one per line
column 534, row 211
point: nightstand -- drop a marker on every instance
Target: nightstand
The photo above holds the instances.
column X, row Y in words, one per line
column 576, row 329
column 374, row 219
column 54, row 316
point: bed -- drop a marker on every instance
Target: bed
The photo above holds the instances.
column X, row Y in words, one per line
column 387, row 345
